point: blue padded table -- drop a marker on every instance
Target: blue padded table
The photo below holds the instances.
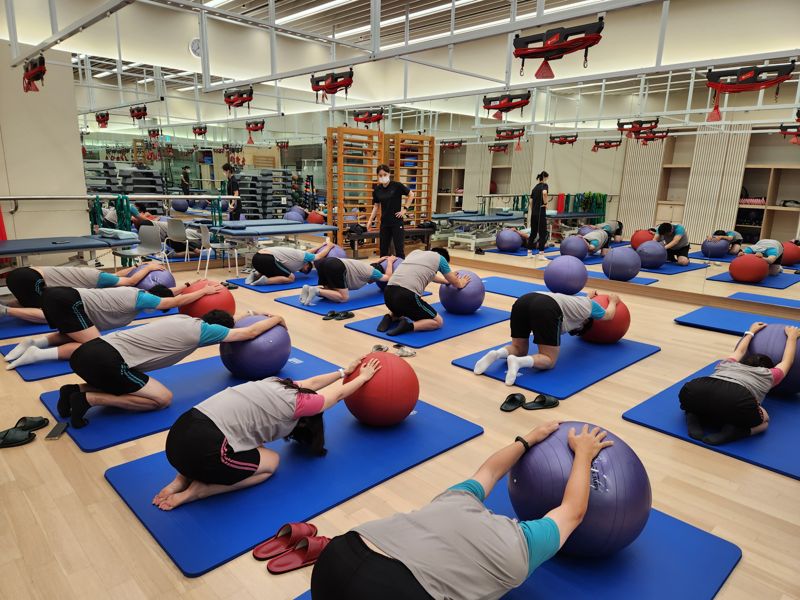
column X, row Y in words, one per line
column 300, row 279
column 773, row 282
column 111, row 426
column 454, row 325
column 769, row 450
column 366, row 297
column 723, row 320
column 482, row 219
column 580, row 364
column 766, row 299
column 458, row 213
column 288, row 228
column 53, row 244
column 639, row 280
column 195, row 224
column 669, row 268
column 208, row 533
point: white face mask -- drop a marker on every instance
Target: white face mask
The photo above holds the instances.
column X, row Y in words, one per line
column 383, row 179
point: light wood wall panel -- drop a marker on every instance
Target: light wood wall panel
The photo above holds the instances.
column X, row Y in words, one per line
column 640, row 179
column 522, row 175
column 478, row 170
column 732, row 176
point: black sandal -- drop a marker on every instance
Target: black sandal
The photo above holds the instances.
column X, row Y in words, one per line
column 541, row 402
column 330, row 316
column 343, row 316
column 15, row 437
column 512, row 402
column 32, row 423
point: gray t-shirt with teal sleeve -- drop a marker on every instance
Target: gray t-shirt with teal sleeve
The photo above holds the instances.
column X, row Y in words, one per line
column 291, row 258
column 576, row 310
column 116, row 307
column 74, row 277
column 597, row 238
column 418, row 270
column 358, row 273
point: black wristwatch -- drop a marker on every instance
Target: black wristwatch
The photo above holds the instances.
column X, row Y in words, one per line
column 522, row 441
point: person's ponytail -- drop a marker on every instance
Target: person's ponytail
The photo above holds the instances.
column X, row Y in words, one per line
column 541, row 176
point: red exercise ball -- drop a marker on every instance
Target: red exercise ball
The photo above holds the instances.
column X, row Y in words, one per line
column 791, row 254
column 748, row 268
column 387, row 398
column 640, row 236
column 316, row 218
column 221, row 301
column 609, row 332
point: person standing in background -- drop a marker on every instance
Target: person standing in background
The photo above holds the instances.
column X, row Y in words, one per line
column 538, row 215
column 388, row 195
column 235, row 205
column 185, row 186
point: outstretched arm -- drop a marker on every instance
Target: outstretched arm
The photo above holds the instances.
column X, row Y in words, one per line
column 792, row 333
column 184, row 299
column 242, row 334
column 332, row 394
column 744, row 343
column 134, row 278
column 611, row 309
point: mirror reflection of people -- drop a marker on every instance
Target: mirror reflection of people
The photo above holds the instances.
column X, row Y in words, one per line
column 388, row 195
column 185, row 185
column 538, row 221
column 235, row 205
column 770, row 250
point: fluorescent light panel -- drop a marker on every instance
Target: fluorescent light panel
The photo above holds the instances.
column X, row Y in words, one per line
column 113, row 71
column 411, row 16
column 312, row 11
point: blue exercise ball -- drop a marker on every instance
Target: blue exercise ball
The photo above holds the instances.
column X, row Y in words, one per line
column 652, row 254
column 397, row 262
column 263, row 356
column 620, row 497
column 293, row 216
column 622, row 264
column 154, row 278
column 202, row 204
column 336, row 252
column 715, row 248
column 466, row 300
column 575, row 246
column 585, row 229
column 508, row 240
column 566, row 275
column 180, row 205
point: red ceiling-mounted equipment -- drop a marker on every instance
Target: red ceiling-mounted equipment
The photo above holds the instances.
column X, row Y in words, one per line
column 509, row 133
column 33, row 71
column 199, row 129
column 563, row 140
column 102, row 119
column 451, row 144
column 282, row 144
column 498, row 147
column 745, row 79
column 331, row 83
column 369, row 115
column 606, row 144
column 792, row 130
column 138, row 112
column 252, row 126
column 154, row 133
column 631, row 128
column 238, row 97
column 650, row 135
column 506, row 103
column 555, row 44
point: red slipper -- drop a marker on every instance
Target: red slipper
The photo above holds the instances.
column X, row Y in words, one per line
column 283, row 541
column 305, row 553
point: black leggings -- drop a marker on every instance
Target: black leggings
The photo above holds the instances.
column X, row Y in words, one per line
column 393, row 233
column 347, row 568
column 538, row 235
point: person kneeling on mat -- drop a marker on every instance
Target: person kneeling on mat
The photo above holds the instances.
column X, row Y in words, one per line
column 337, row 276
column 546, row 315
column 113, row 366
column 455, row 547
column 275, row 266
column 734, row 239
column 676, row 242
column 612, row 228
column 770, row 250
column 596, row 240
column 218, row 446
column 403, row 294
column 732, row 396
column 80, row 315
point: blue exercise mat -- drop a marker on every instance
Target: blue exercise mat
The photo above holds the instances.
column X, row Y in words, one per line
column 519, row 252
column 769, row 450
column 639, row 280
column 724, row 320
column 513, row 288
column 781, row 281
column 580, row 364
column 300, row 279
column 11, row 327
column 207, row 533
column 366, row 297
column 454, row 325
column 111, row 426
column 670, row 268
column 701, row 563
column 589, row 260
column 766, row 299
column 700, row 256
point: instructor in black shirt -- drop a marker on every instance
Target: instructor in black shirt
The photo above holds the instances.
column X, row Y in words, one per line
column 388, row 195
column 235, row 205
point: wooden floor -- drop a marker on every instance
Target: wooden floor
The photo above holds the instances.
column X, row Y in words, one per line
column 64, row 533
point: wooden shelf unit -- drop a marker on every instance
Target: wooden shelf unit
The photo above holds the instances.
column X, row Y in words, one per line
column 411, row 158
column 452, row 179
column 781, row 222
column 673, row 185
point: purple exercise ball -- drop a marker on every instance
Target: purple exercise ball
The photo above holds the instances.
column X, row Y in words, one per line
column 294, row 216
column 715, row 248
column 566, row 275
column 263, row 356
column 771, row 341
column 508, row 240
column 575, row 246
column 622, row 264
column 466, row 300
column 652, row 254
column 397, row 262
column 585, row 229
column 154, row 278
column 180, row 205
column 336, row 252
column 620, row 497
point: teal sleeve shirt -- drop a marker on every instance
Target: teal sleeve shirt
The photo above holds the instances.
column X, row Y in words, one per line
column 107, row 280
column 444, row 268
column 212, row 333
column 598, row 312
column 145, row 301
column 376, row 275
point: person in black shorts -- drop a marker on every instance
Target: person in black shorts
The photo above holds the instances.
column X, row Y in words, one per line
column 26, row 285
column 235, row 205
column 538, row 214
column 388, row 195
column 726, row 405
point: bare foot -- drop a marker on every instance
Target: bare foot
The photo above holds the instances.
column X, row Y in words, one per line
column 191, row 493
column 178, row 484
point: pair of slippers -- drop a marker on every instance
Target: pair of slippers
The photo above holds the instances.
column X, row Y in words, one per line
column 22, row 432
column 514, row 401
column 334, row 315
column 294, row 546
column 399, row 349
column 229, row 285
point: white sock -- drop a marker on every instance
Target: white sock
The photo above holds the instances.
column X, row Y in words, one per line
column 19, row 349
column 34, row 355
column 251, row 277
column 304, row 294
column 261, row 281
column 515, row 363
column 486, row 362
column 3, row 310
column 313, row 292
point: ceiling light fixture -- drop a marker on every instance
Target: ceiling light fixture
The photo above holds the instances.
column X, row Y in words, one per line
column 312, row 11
column 411, row 16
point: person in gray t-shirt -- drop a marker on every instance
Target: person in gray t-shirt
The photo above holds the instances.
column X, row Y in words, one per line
column 277, row 265
column 597, row 240
column 732, row 395
column 218, row 446
column 454, row 547
column 337, row 276
column 770, row 250
column 676, row 242
column 733, row 237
